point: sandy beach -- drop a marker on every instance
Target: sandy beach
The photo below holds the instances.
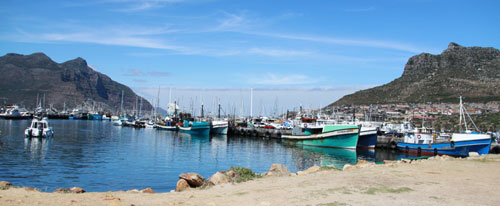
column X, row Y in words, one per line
column 437, row 181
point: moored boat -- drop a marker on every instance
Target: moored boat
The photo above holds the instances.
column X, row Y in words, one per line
column 219, row 127
column 13, row 114
column 332, row 136
column 368, row 137
column 460, row 144
column 194, row 127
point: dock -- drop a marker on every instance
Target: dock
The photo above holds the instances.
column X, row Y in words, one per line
column 389, row 142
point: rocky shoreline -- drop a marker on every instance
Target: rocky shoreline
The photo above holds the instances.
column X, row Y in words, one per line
column 236, row 185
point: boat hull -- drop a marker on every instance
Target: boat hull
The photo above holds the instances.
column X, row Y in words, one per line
column 345, row 138
column 367, row 139
column 219, row 130
column 458, row 148
column 14, row 117
column 168, row 128
column 195, row 130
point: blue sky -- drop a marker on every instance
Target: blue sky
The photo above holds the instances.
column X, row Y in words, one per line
column 293, row 52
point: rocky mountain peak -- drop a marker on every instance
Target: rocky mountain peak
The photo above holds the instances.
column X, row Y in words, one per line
column 453, row 45
column 472, row 72
column 78, row 63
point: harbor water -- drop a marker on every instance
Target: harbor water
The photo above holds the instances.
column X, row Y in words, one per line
column 100, row 157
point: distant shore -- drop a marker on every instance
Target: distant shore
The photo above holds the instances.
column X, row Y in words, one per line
column 436, row 181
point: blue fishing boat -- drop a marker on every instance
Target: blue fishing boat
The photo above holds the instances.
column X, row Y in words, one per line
column 368, row 137
column 424, row 142
column 194, row 127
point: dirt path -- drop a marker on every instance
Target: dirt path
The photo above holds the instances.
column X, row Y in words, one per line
column 445, row 181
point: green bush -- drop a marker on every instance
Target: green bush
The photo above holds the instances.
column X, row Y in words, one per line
column 244, row 174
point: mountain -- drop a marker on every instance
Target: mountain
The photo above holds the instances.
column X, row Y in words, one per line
column 73, row 83
column 471, row 72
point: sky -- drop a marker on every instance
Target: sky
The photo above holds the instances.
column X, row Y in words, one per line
column 292, row 53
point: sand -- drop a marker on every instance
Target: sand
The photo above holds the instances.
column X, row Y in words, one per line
column 441, row 181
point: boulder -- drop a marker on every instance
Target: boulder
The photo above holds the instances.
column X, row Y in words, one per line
column 390, row 162
column 363, row 164
column 473, row 154
column 182, row 184
column 231, row 173
column 220, row 178
column 278, row 170
column 76, row 190
column 62, row 190
column 310, row 170
column 31, row 189
column 5, row 184
column 193, row 179
column 148, row 190
column 348, row 167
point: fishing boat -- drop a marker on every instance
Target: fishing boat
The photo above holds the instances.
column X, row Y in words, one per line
column 424, row 142
column 14, row 113
column 195, row 127
column 308, row 133
column 39, row 127
column 150, row 124
column 219, row 127
column 167, row 124
column 368, row 137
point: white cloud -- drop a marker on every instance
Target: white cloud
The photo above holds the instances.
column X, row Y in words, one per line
column 345, row 42
column 282, row 79
column 141, row 5
column 277, row 52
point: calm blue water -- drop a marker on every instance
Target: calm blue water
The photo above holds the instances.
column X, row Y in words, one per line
column 100, row 157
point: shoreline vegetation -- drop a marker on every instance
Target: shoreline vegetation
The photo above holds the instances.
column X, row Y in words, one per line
column 436, row 180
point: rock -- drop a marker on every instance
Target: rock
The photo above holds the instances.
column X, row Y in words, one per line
column 390, row 162
column 31, row 189
column 310, row 170
column 220, row 178
column 76, row 190
column 133, row 191
column 348, row 167
column 231, row 173
column 5, row 184
column 363, row 164
column 182, row 184
column 62, row 190
column 278, row 170
column 473, row 154
column 193, row 179
column 148, row 190
column 405, row 160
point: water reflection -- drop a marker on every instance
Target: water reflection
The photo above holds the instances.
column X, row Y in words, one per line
column 37, row 147
column 333, row 156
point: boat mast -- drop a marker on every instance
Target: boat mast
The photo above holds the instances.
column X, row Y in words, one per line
column 251, row 103
column 157, row 103
column 218, row 115
column 121, row 107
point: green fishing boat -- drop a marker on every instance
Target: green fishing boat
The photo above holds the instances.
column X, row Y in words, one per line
column 331, row 136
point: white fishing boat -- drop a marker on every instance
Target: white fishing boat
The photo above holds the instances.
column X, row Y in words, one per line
column 14, row 113
column 219, row 127
column 39, row 128
column 150, row 124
